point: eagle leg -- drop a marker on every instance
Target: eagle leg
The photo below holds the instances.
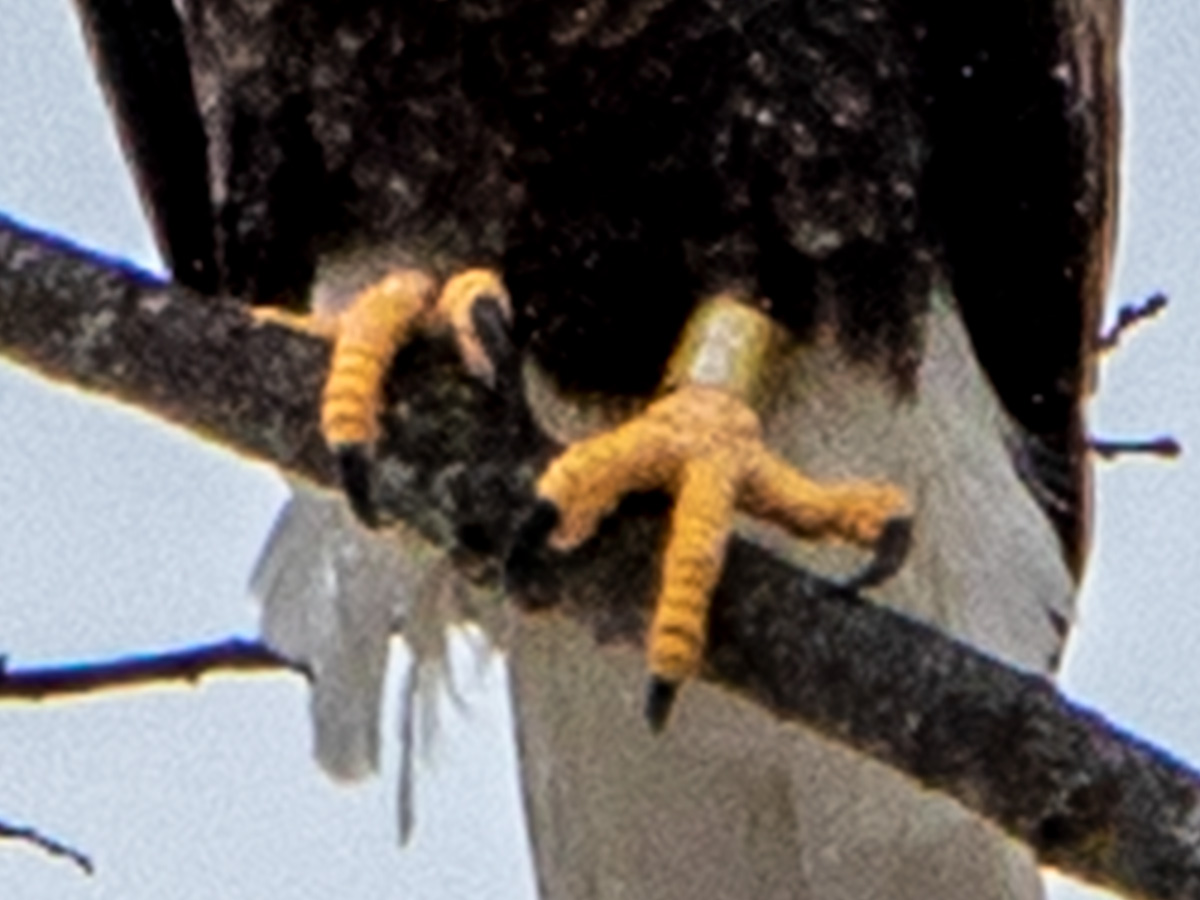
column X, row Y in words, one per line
column 471, row 307
column 702, row 443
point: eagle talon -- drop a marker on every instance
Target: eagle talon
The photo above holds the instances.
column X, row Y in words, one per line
column 660, row 699
column 475, row 308
column 530, row 539
column 490, row 319
column 704, row 445
column 891, row 549
column 356, row 470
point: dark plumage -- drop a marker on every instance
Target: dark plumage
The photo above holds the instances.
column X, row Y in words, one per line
column 617, row 160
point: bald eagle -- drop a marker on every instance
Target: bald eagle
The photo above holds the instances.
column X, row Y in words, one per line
column 830, row 265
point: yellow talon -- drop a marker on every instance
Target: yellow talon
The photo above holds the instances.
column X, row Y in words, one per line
column 454, row 310
column 700, row 526
column 324, row 327
column 366, row 336
column 370, row 331
column 703, row 444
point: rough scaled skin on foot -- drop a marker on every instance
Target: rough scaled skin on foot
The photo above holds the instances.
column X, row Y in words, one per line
column 702, row 443
column 368, row 334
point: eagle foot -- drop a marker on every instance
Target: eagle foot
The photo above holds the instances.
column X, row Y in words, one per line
column 703, row 445
column 472, row 307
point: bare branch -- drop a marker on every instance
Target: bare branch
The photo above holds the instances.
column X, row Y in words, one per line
column 1130, row 315
column 458, row 462
column 54, row 682
column 47, row 844
column 1165, row 447
column 38, row 683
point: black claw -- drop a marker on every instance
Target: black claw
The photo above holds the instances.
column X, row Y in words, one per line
column 890, row 552
column 356, row 471
column 531, row 537
column 660, row 697
column 487, row 315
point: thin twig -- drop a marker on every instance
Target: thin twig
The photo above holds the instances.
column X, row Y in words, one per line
column 47, row 844
column 1165, row 447
column 1127, row 317
column 39, row 683
column 54, row 682
column 1130, row 315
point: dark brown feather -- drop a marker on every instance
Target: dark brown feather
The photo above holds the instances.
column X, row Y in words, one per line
column 831, row 159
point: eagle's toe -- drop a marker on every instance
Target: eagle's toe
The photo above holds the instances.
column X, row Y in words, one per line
column 891, row 549
column 474, row 307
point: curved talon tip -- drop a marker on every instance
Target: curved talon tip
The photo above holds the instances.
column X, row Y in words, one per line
column 355, row 471
column 891, row 549
column 530, row 539
column 490, row 319
column 660, row 697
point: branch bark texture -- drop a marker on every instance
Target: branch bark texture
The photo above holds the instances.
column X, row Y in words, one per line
column 458, row 462
column 190, row 664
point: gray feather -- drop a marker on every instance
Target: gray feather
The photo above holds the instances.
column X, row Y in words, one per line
column 332, row 594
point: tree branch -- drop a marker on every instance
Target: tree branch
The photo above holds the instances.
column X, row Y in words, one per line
column 458, row 462
column 1165, row 447
column 1128, row 317
column 52, row 682
column 47, row 844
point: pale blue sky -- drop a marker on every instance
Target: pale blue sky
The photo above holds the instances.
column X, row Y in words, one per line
column 119, row 534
